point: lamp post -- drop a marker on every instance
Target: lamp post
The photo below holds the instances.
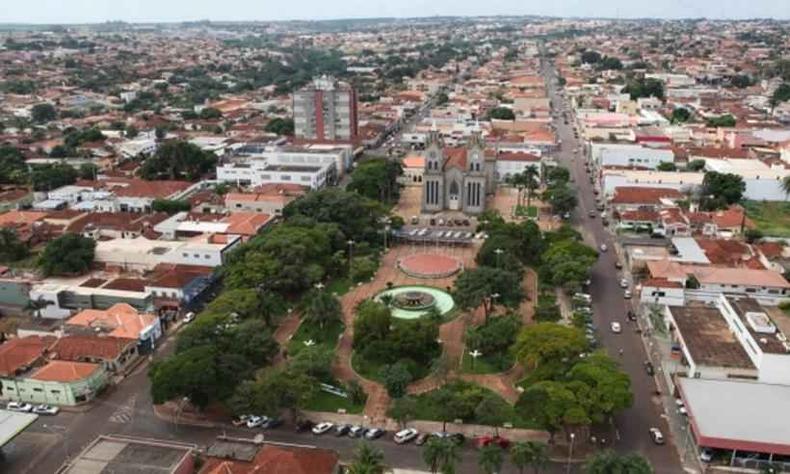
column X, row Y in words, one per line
column 570, row 455
column 493, row 298
column 386, row 231
column 475, row 354
column 309, row 343
column 498, row 252
column 319, row 286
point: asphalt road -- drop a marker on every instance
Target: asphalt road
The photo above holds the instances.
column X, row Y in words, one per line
column 609, row 305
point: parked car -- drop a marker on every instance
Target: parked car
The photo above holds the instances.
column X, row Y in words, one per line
column 374, row 433
column 256, row 421
column 631, row 315
column 422, row 439
column 404, row 436
column 592, row 214
column 604, row 248
column 706, row 455
column 19, row 406
column 304, row 425
column 623, row 283
column 483, row 441
column 46, row 410
column 342, row 430
column 618, row 265
column 189, row 317
column 616, row 328
column 627, row 294
column 656, row 435
column 322, row 428
column 356, row 431
column 649, row 368
column 240, row 421
column 271, row 423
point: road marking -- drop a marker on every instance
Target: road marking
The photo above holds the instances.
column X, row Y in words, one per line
column 125, row 413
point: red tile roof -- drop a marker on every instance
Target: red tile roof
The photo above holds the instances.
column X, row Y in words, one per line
column 643, row 195
column 76, row 348
column 277, row 460
column 455, row 158
column 22, row 352
column 64, row 371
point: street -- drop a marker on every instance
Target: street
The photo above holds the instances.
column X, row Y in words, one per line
column 609, row 305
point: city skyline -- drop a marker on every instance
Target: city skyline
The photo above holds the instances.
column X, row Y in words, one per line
column 95, row 11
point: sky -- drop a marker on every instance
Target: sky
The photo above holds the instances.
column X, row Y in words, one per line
column 91, row 11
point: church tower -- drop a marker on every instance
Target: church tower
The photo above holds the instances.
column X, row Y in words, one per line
column 433, row 175
column 475, row 180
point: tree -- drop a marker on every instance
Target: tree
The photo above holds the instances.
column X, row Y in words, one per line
column 529, row 453
column 781, row 94
column 280, row 126
column 741, row 81
column 210, row 113
column 160, row 133
column 492, row 411
column 609, row 63
column 13, row 169
column 377, row 179
column 494, row 337
column 403, row 410
column 355, row 392
column 562, row 198
column 666, row 166
column 52, row 176
column 315, row 361
column 696, row 165
column 567, row 263
column 786, row 186
column 322, row 308
column 363, row 269
column 88, row 171
column 373, row 322
column 609, row 462
column 590, row 57
column 680, row 115
column 396, row 378
column 501, row 113
column 70, row 254
column 367, row 460
column 178, row 160
column 606, row 389
column 477, row 286
column 440, row 455
column 491, row 458
column 190, row 374
column 544, row 342
column 170, row 206
column 131, row 131
column 552, row 405
column 558, row 175
column 273, row 391
column 11, row 248
column 726, row 120
column 43, row 113
column 641, row 87
column 721, row 190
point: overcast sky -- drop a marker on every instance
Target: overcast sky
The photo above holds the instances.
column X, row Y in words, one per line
column 77, row 11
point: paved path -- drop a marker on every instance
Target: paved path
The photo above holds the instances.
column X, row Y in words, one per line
column 283, row 334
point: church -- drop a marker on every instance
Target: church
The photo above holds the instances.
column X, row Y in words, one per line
column 458, row 178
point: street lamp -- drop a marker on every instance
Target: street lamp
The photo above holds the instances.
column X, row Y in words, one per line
column 570, row 454
column 319, row 286
column 309, row 343
column 475, row 354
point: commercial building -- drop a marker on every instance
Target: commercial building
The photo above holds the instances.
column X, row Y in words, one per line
column 325, row 110
column 267, row 199
column 120, row 320
column 141, row 254
column 628, row 156
column 312, row 166
column 124, row 454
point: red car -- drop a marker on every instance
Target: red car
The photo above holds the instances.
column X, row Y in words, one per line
column 489, row 440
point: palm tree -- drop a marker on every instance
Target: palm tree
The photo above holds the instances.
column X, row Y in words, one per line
column 367, row 460
column 491, row 459
column 518, row 181
column 37, row 305
column 529, row 453
column 531, row 175
column 322, row 308
column 786, row 186
column 441, row 455
column 608, row 462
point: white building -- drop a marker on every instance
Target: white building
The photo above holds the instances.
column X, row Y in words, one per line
column 763, row 182
column 141, row 254
column 311, row 167
column 680, row 181
column 624, row 155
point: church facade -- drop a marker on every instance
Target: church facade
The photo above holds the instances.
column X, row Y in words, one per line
column 459, row 178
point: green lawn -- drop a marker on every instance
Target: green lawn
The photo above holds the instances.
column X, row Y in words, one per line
column 339, row 286
column 326, row 336
column 371, row 370
column 486, row 365
column 325, row 401
column 427, row 406
column 524, row 211
column 772, row 218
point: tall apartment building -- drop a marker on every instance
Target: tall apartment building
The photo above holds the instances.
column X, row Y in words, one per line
column 325, row 110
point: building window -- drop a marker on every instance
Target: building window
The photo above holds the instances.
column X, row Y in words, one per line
column 207, row 256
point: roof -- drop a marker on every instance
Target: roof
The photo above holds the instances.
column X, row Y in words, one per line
column 65, row 371
column 15, row 218
column 708, row 337
column 127, row 455
column 455, row 158
column 643, row 195
column 177, row 276
column 661, row 283
column 414, row 161
column 517, row 156
column 246, row 223
column 277, row 460
column 12, row 423
column 121, row 319
column 738, row 276
column 22, row 352
column 74, row 348
column 723, row 414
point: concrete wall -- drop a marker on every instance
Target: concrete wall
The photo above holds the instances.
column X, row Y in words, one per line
column 54, row 393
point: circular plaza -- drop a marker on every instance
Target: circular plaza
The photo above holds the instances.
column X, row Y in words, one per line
column 428, row 266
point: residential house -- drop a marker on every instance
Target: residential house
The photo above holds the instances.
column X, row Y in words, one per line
column 120, row 320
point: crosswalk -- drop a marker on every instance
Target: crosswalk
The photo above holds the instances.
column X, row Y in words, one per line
column 124, row 413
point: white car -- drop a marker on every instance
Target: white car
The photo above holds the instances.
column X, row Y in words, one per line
column 322, row 428
column 404, row 436
column 657, row 436
column 255, row 421
column 19, row 406
column 616, row 327
column 604, row 248
column 627, row 294
column 46, row 410
column 623, row 283
column 189, row 317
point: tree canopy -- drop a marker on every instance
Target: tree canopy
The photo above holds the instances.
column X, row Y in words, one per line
column 280, row 126
column 377, row 179
column 544, row 342
column 13, row 169
column 70, row 254
column 178, row 160
column 501, row 113
column 52, row 176
column 475, row 287
column 721, row 190
column 609, row 462
column 43, row 113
